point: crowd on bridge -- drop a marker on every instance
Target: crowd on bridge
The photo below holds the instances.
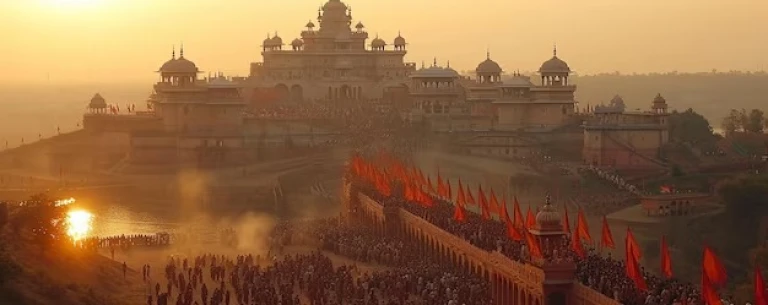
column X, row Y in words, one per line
column 600, row 273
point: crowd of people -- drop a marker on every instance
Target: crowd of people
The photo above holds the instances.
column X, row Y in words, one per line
column 603, row 274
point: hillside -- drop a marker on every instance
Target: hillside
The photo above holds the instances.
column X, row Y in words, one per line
column 711, row 95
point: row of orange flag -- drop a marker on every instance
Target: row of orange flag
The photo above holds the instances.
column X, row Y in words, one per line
column 418, row 188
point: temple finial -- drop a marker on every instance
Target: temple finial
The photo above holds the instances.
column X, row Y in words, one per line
column 448, row 64
column 548, row 200
column 173, row 53
column 487, row 53
column 434, row 62
column 181, row 51
column 554, row 50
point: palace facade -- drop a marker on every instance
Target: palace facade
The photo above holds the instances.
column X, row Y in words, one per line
column 329, row 61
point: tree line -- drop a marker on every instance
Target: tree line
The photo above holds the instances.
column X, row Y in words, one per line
column 743, row 121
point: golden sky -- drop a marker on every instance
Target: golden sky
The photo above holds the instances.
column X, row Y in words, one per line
column 126, row 40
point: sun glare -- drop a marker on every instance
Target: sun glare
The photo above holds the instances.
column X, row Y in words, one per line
column 78, row 224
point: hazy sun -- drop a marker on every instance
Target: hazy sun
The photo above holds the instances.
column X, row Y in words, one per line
column 78, row 224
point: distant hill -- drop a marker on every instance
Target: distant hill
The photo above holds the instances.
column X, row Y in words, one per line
column 710, row 94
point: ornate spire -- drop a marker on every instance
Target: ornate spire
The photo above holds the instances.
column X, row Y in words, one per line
column 548, row 200
column 448, row 64
column 173, row 53
column 554, row 50
column 434, row 62
column 181, row 51
column 488, row 53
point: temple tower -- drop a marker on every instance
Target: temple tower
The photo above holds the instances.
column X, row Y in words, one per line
column 559, row 272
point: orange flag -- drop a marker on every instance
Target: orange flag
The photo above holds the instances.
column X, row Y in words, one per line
column 530, row 219
column 666, row 260
column 470, row 198
column 533, row 245
column 606, row 238
column 708, row 294
column 459, row 214
column 441, row 190
column 504, row 214
column 632, row 246
column 566, row 221
column 518, row 217
column 430, row 188
column 760, row 298
column 513, row 233
column 461, row 199
column 449, row 192
column 583, row 227
column 713, row 268
column 634, row 273
column 494, row 204
column 483, row 203
column 576, row 245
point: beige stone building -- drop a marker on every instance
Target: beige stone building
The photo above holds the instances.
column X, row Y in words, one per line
column 329, row 62
column 623, row 139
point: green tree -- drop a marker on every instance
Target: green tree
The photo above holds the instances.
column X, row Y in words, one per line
column 690, row 127
column 755, row 121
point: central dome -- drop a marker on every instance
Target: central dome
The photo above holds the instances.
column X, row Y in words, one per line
column 334, row 5
column 488, row 66
column 180, row 65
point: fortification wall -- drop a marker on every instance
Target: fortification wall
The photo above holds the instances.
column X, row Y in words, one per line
column 512, row 282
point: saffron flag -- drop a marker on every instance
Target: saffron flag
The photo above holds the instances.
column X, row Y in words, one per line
column 513, row 233
column 442, row 191
column 583, row 227
column 632, row 246
column 504, row 214
column 518, row 217
column 494, row 204
column 708, row 293
column 533, row 245
column 666, row 260
column 576, row 245
column 461, row 198
column 459, row 214
column 759, row 287
column 430, row 188
column 713, row 268
column 566, row 221
column 470, row 198
column 606, row 238
column 483, row 203
column 530, row 219
column 449, row 192
column 634, row 273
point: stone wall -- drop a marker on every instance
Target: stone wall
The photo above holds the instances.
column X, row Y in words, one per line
column 512, row 282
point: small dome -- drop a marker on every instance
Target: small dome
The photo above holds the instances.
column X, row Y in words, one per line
column 617, row 100
column 277, row 41
column 519, row 81
column 310, row 24
column 435, row 72
column 399, row 40
column 97, row 102
column 659, row 99
column 488, row 66
column 180, row 65
column 554, row 65
column 267, row 41
column 378, row 42
column 297, row 42
column 360, row 25
column 548, row 219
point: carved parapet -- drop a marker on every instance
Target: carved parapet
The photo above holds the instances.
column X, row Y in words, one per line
column 583, row 295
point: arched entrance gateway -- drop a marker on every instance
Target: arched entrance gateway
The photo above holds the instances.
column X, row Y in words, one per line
column 546, row 279
column 297, row 93
column 282, row 92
